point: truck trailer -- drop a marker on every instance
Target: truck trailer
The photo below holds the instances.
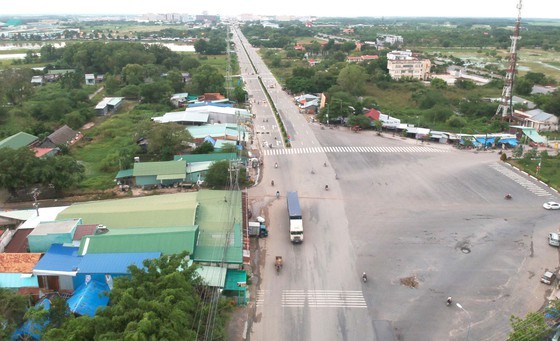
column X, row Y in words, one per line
column 296, row 220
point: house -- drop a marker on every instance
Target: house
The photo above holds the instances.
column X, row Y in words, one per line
column 63, row 136
column 313, row 62
column 99, row 78
column 16, row 270
column 18, row 140
column 537, row 119
column 388, row 121
column 37, row 80
column 108, row 105
column 44, row 153
column 54, row 232
column 402, row 64
column 198, row 164
column 58, row 267
column 179, row 99
column 211, row 96
column 159, row 173
column 90, row 79
column 388, row 39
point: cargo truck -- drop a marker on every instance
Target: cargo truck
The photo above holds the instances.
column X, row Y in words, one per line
column 296, row 220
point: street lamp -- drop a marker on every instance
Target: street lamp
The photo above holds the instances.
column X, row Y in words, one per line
column 469, row 315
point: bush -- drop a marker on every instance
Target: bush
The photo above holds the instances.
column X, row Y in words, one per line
column 456, row 121
column 503, row 157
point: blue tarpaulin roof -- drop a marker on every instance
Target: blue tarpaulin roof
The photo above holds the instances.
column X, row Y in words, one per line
column 88, row 297
column 58, row 260
column 30, row 328
column 113, row 263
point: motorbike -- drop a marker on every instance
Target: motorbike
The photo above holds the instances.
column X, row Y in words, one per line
column 364, row 277
column 276, row 165
column 277, row 194
column 507, row 197
column 448, row 301
column 272, row 183
column 326, row 187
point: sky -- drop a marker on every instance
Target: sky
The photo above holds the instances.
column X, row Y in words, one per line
column 326, row 8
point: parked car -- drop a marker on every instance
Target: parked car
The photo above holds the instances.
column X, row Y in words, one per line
column 551, row 205
column 548, row 277
column 553, row 239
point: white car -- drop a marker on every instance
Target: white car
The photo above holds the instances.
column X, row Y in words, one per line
column 551, row 205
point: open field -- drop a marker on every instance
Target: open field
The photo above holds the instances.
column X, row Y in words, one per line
column 533, row 60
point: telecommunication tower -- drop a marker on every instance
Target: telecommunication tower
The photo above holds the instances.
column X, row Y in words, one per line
column 505, row 109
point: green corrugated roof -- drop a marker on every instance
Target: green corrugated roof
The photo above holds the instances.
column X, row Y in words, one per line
column 220, row 219
column 176, row 209
column 189, row 158
column 18, row 140
column 180, row 176
column 167, row 240
column 159, row 168
column 125, row 173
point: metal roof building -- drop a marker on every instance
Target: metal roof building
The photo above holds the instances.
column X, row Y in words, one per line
column 165, row 240
column 220, row 221
column 18, row 140
column 154, row 211
column 162, row 172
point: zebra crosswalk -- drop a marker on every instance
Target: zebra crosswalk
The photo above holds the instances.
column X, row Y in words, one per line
column 522, row 180
column 317, row 299
column 347, row 149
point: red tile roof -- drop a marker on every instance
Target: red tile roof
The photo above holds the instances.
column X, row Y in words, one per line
column 41, row 151
column 18, row 242
column 18, row 262
column 84, row 230
column 373, row 114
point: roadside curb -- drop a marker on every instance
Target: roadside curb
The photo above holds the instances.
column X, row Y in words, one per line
column 532, row 177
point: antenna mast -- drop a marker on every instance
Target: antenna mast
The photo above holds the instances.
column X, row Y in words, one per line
column 505, row 109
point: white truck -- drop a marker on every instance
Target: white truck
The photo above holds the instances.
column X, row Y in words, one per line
column 296, row 220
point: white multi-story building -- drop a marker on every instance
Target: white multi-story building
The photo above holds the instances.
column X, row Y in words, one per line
column 402, row 64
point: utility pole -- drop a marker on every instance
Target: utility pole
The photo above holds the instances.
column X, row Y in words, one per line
column 505, row 109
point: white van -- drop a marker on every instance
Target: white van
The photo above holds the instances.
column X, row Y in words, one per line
column 553, row 239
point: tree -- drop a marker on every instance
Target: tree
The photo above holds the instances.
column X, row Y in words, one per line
column 523, row 86
column 352, row 79
column 201, row 46
column 163, row 300
column 532, row 327
column 438, row 83
column 112, row 85
column 15, row 85
column 12, row 310
column 158, row 92
column 207, row 78
column 204, row 148
column 359, row 120
column 165, row 139
column 61, row 172
column 133, row 74
column 19, row 168
column 239, row 94
column 218, row 174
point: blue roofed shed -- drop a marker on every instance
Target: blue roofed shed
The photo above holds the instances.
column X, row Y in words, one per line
column 96, row 266
column 88, row 298
column 32, row 329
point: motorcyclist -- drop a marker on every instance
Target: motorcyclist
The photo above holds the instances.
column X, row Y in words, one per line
column 276, row 165
column 364, row 277
column 326, row 187
column 272, row 183
column 448, row 301
column 508, row 196
column 277, row 194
